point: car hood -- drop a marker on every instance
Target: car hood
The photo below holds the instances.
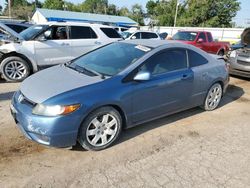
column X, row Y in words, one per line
column 9, row 31
column 245, row 37
column 54, row 81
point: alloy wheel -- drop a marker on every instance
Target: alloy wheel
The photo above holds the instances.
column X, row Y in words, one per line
column 101, row 130
column 15, row 70
column 214, row 97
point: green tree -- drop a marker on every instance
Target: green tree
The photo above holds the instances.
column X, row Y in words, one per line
column 20, row 9
column 95, row 6
column 72, row 7
column 37, row 4
column 207, row 13
column 54, row 4
column 137, row 14
column 151, row 7
column 123, row 11
column 112, row 9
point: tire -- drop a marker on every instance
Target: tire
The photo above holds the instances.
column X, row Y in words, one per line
column 213, row 97
column 14, row 69
column 97, row 132
column 221, row 53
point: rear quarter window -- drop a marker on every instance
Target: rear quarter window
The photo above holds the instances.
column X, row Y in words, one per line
column 82, row 32
column 110, row 32
column 196, row 59
column 146, row 35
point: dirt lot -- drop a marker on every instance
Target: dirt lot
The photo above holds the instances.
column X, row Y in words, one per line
column 190, row 149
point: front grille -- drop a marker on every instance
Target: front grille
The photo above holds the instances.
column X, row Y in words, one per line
column 244, row 55
column 243, row 63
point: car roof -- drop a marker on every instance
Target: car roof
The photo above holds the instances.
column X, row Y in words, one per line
column 153, row 43
column 76, row 24
column 197, row 31
column 141, row 31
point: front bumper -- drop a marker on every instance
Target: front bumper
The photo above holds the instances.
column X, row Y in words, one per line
column 239, row 66
column 238, row 72
column 59, row 131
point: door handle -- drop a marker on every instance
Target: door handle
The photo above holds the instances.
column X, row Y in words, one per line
column 204, row 74
column 186, row 76
column 97, row 42
column 65, row 44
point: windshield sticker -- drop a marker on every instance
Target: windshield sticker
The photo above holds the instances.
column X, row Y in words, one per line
column 143, row 48
column 38, row 27
column 193, row 33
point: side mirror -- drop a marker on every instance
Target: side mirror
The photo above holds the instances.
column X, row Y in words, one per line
column 134, row 37
column 200, row 40
column 142, row 76
column 42, row 38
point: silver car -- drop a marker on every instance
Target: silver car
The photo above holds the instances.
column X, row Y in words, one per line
column 239, row 57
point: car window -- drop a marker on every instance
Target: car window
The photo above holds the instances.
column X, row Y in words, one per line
column 137, row 35
column 33, row 31
column 56, row 33
column 16, row 28
column 124, row 29
column 146, row 35
column 209, row 37
column 185, row 36
column 196, row 59
column 111, row 59
column 110, row 32
column 167, row 61
column 82, row 32
column 202, row 36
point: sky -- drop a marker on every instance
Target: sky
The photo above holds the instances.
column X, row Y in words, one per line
column 240, row 19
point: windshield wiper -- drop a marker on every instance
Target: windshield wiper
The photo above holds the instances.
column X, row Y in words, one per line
column 84, row 69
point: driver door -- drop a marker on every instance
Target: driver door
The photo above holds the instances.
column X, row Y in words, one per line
column 53, row 46
column 169, row 88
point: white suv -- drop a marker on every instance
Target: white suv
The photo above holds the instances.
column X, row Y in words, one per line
column 130, row 35
column 41, row 46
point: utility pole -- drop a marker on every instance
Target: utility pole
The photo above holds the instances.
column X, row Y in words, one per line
column 9, row 7
column 176, row 12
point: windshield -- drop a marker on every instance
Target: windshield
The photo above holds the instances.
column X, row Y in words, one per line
column 186, row 36
column 32, row 31
column 126, row 34
column 111, row 59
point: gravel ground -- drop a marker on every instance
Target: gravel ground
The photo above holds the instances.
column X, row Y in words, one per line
column 189, row 149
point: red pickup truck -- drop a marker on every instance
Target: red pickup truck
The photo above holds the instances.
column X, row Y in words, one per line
column 202, row 40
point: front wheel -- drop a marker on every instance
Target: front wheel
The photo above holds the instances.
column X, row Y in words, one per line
column 213, row 98
column 14, row 69
column 100, row 129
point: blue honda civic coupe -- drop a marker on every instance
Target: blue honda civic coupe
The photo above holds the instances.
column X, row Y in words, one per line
column 94, row 97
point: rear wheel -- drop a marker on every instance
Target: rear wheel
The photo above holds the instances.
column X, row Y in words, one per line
column 100, row 129
column 213, row 97
column 14, row 69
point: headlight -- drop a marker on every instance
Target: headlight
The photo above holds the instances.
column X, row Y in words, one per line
column 233, row 54
column 55, row 110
